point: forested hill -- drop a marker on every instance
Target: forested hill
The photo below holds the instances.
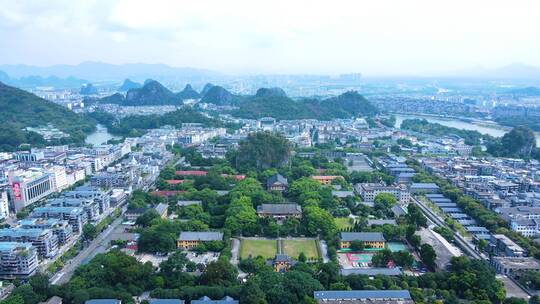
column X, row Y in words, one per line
column 152, row 93
column 279, row 106
column 20, row 109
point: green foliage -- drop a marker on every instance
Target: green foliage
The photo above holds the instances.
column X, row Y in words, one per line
column 20, row 109
column 428, row 255
column 241, row 216
column 147, row 217
column 520, row 142
column 371, row 177
column 346, row 105
column 317, row 220
column 136, row 124
column 89, row 231
column 263, row 150
column 423, row 126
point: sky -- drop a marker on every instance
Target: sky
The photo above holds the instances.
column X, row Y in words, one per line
column 379, row 37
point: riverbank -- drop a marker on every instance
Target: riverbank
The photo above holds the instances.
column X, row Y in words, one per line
column 485, row 127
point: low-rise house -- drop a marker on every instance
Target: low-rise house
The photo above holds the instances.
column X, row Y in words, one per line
column 133, row 214
column 280, row 211
column 277, row 182
column 424, row 188
column 369, row 239
column 103, row 301
column 190, row 240
column 165, row 301
column 188, row 203
column 363, row 296
column 502, row 245
column 513, row 265
column 162, row 209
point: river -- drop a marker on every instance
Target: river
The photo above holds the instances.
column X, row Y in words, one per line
column 100, row 136
column 489, row 128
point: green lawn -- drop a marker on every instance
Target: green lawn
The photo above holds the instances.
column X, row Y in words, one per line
column 293, row 248
column 265, row 248
column 343, row 223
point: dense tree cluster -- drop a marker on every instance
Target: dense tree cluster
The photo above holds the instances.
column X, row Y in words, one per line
column 20, row 109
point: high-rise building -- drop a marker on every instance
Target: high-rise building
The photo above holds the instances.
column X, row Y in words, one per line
column 29, row 186
column 4, row 205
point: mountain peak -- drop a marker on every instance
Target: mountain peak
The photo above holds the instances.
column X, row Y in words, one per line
column 270, row 92
column 128, row 85
column 188, row 93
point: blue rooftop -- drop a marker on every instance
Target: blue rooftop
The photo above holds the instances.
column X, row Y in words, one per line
column 207, row 300
column 361, row 294
column 20, row 232
column 8, row 246
column 165, row 301
column 103, row 301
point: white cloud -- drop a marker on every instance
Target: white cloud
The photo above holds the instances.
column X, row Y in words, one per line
column 382, row 36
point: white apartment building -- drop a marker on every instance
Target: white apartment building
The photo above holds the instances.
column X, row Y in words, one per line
column 4, row 205
column 29, row 186
column 368, row 192
column 58, row 178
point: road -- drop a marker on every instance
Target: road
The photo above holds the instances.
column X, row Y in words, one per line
column 460, row 241
column 98, row 245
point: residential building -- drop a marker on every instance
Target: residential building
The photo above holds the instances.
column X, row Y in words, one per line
column 4, row 205
column 513, row 265
column 44, row 240
column 424, row 188
column 368, row 192
column 363, row 296
column 502, row 245
column 369, row 239
column 162, row 209
column 103, row 301
column 17, row 260
column 207, row 300
column 189, row 240
column 61, row 228
column 75, row 216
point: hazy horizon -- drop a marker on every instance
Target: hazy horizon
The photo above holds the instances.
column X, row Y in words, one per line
column 379, row 38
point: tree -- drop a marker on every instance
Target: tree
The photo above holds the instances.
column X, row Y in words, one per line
column 428, row 255
column 241, row 216
column 263, row 150
column 357, row 245
column 415, row 216
column 318, row 220
column 384, row 201
column 89, row 231
column 252, row 294
column 147, row 217
column 219, row 273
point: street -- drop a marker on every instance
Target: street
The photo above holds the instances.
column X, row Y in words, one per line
column 98, row 245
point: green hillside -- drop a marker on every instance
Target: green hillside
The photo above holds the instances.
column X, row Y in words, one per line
column 346, row 105
column 20, row 109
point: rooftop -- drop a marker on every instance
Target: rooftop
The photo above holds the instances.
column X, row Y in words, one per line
column 361, row 294
column 362, row 236
column 279, row 208
column 200, row 236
